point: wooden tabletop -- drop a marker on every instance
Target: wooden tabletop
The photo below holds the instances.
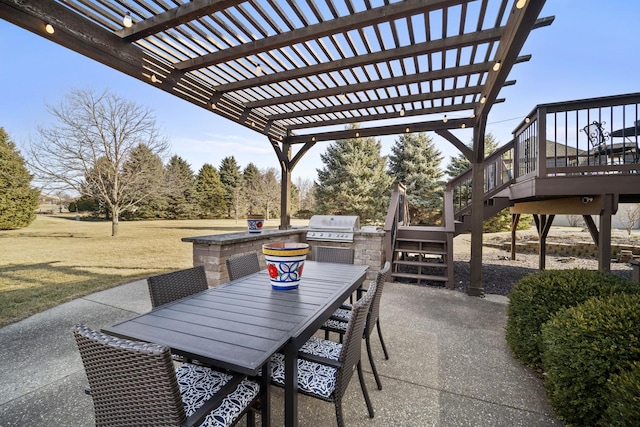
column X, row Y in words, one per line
column 239, row 325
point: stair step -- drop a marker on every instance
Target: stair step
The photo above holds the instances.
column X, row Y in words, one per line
column 420, row 277
column 405, row 239
column 421, row 251
column 421, row 263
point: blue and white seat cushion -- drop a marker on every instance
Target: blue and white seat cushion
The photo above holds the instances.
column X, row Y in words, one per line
column 342, row 313
column 336, row 324
column 198, row 384
column 313, row 378
column 324, row 348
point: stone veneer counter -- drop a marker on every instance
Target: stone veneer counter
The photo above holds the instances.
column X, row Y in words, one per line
column 212, row 251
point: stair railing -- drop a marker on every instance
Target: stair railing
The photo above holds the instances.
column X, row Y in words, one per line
column 498, row 174
column 397, row 216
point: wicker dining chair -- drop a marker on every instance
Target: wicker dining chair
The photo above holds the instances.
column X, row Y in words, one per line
column 326, row 367
column 339, row 321
column 168, row 287
column 135, row 383
column 243, row 265
column 333, row 254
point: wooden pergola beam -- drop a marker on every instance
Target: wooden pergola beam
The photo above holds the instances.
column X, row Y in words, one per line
column 316, row 31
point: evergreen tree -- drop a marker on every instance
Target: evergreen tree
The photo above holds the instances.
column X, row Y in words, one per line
column 353, row 180
column 415, row 161
column 231, row 178
column 459, row 164
column 18, row 201
column 180, row 182
column 251, row 177
column 147, row 167
column 209, row 192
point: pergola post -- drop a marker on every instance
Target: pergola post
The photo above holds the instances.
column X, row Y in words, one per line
column 285, row 188
column 477, row 208
column 610, row 206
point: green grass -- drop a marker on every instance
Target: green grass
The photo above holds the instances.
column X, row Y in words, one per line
column 57, row 259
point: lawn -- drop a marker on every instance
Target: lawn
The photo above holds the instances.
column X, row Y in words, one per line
column 57, row 258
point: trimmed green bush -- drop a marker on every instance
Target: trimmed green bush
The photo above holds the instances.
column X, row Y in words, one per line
column 535, row 298
column 583, row 347
column 624, row 399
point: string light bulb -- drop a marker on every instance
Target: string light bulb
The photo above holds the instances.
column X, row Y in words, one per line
column 402, row 112
column 154, row 79
column 520, row 4
column 313, row 139
column 527, row 120
column 407, row 130
column 497, row 66
column 127, row 21
column 258, row 70
column 49, row 29
column 357, row 134
column 463, row 125
column 483, row 100
column 445, row 120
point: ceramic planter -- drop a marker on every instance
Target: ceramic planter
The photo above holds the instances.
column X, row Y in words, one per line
column 255, row 223
column 285, row 262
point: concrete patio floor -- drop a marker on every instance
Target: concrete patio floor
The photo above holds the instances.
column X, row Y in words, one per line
column 449, row 365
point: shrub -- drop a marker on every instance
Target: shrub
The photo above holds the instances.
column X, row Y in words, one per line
column 623, row 407
column 535, row 298
column 583, row 347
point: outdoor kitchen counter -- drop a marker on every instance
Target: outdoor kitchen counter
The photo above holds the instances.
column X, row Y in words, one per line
column 212, row 251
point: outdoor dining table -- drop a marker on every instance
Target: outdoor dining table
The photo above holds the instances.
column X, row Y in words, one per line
column 239, row 325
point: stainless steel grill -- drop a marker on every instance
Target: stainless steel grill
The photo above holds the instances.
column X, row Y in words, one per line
column 333, row 228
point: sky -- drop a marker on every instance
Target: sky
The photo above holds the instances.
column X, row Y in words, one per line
column 590, row 50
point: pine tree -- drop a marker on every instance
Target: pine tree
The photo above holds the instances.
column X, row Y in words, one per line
column 251, row 178
column 18, row 201
column 180, row 182
column 415, row 162
column 353, row 180
column 147, row 190
column 210, row 193
column 231, row 179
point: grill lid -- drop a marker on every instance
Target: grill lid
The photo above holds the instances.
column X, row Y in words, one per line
column 332, row 228
column 334, row 222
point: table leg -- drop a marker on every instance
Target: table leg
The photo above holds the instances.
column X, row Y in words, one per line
column 290, row 385
column 265, row 395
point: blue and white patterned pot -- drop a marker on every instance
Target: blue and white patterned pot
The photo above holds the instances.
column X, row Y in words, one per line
column 255, row 222
column 285, row 262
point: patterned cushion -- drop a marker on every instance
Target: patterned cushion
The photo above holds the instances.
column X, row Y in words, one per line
column 342, row 313
column 313, row 378
column 336, row 324
column 319, row 347
column 198, row 384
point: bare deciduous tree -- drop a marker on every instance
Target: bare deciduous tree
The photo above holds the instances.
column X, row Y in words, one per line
column 89, row 148
column 629, row 216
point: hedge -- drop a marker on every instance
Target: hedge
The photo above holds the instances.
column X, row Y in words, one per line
column 536, row 297
column 583, row 348
column 623, row 407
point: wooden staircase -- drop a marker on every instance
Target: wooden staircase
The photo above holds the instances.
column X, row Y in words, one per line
column 424, row 255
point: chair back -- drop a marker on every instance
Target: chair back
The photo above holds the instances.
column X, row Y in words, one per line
column 374, row 310
column 243, row 265
column 332, row 254
column 132, row 383
column 352, row 341
column 168, row 287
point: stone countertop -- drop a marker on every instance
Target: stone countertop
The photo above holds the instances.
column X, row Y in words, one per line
column 243, row 236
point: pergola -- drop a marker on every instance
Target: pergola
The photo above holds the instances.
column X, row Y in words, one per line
column 300, row 71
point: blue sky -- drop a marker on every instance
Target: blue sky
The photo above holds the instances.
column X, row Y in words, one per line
column 590, row 50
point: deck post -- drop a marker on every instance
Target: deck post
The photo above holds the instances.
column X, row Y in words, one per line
column 477, row 208
column 609, row 206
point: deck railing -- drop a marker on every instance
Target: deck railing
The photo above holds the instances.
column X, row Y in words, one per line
column 586, row 137
column 596, row 136
column 397, row 216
